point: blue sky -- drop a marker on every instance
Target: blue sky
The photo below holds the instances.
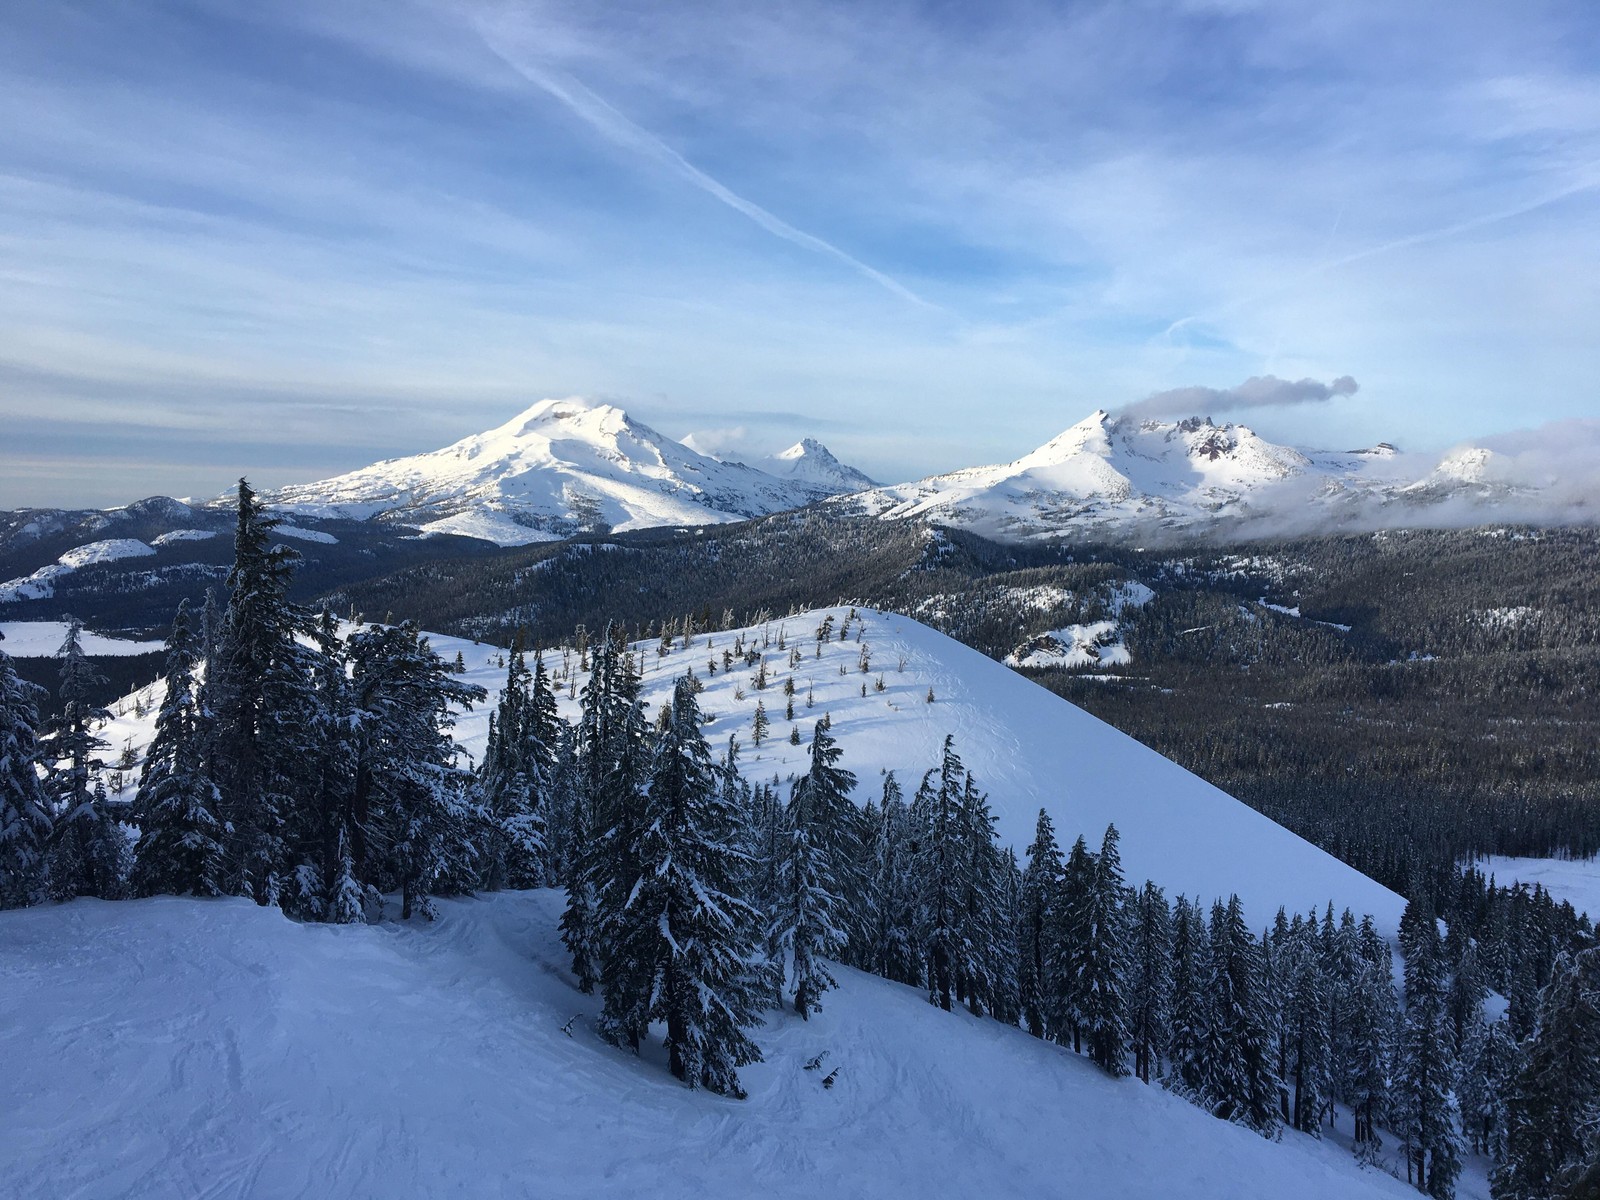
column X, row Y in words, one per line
column 288, row 239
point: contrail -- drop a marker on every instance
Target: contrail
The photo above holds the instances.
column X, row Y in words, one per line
column 619, row 129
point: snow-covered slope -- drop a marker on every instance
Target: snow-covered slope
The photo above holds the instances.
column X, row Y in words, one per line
column 811, row 465
column 180, row 1047
column 1125, row 476
column 40, row 584
column 1027, row 747
column 42, row 639
column 561, row 467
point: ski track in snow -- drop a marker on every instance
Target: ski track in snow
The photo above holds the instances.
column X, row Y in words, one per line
column 210, row 1048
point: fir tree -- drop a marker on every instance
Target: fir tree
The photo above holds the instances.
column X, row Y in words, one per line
column 1069, row 941
column 1191, row 1000
column 1150, row 981
column 685, row 925
column 1487, row 1070
column 1041, row 879
column 25, row 822
column 181, row 837
column 1103, row 964
column 1240, row 1085
column 1424, row 1102
column 892, row 952
column 1553, row 1112
column 86, row 848
column 414, row 790
column 818, row 872
column 1374, row 1015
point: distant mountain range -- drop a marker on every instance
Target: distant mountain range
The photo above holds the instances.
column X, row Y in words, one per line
column 569, row 466
column 565, row 467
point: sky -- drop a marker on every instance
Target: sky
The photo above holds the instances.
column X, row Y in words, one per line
column 287, row 239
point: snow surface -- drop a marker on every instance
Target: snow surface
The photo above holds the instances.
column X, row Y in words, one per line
column 184, row 535
column 1575, row 880
column 1073, row 647
column 305, row 535
column 180, row 1047
column 41, row 584
column 529, row 479
column 42, row 639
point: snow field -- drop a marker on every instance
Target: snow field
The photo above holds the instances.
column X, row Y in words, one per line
column 211, row 1048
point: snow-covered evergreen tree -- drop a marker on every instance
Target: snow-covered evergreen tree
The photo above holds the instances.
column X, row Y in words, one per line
column 1486, row 1071
column 1553, row 1113
column 181, row 834
column 1240, row 1082
column 1069, row 941
column 411, row 787
column 1150, row 981
column 1191, row 1000
column 891, row 888
column 1041, row 879
column 1306, row 1011
column 25, row 822
column 1102, row 966
column 818, row 872
column 516, row 776
column 1374, row 1015
column 693, row 936
column 86, row 849
column 1424, row 1104
column 258, row 691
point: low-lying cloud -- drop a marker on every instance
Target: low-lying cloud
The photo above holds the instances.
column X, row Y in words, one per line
column 1259, row 391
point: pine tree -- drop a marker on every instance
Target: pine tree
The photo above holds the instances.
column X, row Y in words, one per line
column 1306, row 1019
column 761, row 724
column 86, row 848
column 1041, row 879
column 818, row 872
column 410, row 784
column 1553, row 1112
column 1103, row 965
column 1191, row 1000
column 1374, row 1015
column 937, row 817
column 685, row 925
column 181, row 837
column 1069, row 942
column 1486, row 1071
column 892, row 953
column 25, row 823
column 1425, row 1107
column 516, row 774
column 1150, row 981
column 1241, row 1085
column 258, row 691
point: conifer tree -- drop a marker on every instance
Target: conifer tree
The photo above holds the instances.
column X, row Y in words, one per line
column 1041, row 879
column 258, row 690
column 1150, row 981
column 1425, row 1107
column 937, row 817
column 1306, row 1004
column 1069, row 944
column 1191, row 1000
column 817, row 873
column 25, row 823
column 692, row 935
column 1103, row 963
column 1487, row 1070
column 891, row 889
column 414, row 790
column 181, row 837
column 86, row 849
column 1241, row 1085
column 1553, row 1113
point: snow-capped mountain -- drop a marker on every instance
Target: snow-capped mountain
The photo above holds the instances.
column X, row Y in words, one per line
column 562, row 467
column 1117, row 476
column 811, row 465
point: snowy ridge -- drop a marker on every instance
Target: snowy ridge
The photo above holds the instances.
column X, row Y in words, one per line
column 810, row 464
column 41, row 584
column 1027, row 747
column 564, row 467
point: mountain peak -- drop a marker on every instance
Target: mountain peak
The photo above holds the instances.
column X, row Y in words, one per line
column 811, row 465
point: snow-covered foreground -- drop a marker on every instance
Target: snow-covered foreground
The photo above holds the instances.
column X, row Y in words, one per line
column 176, row 1047
column 1576, row 881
